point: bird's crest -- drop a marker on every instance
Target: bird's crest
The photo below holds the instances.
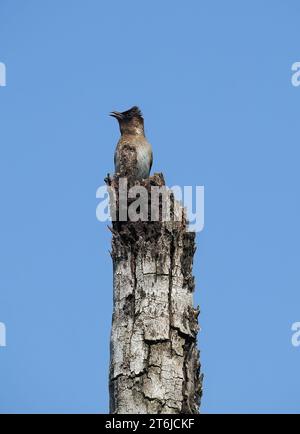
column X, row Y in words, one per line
column 133, row 112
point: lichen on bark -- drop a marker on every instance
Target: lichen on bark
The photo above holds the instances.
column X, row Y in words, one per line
column 154, row 361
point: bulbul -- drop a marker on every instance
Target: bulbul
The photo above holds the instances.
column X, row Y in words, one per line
column 133, row 155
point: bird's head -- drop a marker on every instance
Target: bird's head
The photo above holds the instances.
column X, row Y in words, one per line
column 131, row 121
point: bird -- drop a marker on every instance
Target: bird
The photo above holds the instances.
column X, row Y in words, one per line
column 133, row 155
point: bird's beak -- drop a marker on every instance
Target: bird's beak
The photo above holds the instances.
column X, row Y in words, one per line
column 116, row 115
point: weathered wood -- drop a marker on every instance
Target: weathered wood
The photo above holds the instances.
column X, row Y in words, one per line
column 154, row 365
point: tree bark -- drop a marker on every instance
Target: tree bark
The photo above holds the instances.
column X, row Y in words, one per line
column 154, row 361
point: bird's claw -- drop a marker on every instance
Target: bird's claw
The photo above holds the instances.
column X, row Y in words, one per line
column 108, row 179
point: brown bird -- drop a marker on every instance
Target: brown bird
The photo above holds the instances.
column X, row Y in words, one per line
column 133, row 155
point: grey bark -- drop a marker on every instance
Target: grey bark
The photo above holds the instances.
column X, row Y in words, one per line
column 154, row 366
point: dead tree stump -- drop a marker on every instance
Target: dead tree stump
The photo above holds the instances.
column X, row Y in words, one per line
column 154, row 361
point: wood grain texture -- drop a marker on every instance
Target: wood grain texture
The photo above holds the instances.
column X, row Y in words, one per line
column 154, row 366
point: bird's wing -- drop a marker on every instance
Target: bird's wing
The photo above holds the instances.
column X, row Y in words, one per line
column 151, row 161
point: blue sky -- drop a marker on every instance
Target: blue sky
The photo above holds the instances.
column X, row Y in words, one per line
column 213, row 79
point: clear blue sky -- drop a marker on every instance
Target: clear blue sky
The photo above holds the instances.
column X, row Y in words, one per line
column 213, row 79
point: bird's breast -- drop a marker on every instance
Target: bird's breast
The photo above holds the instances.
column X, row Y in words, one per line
column 133, row 158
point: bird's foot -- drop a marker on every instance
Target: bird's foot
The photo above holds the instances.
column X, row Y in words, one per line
column 108, row 179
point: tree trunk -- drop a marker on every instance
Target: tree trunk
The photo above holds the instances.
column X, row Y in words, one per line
column 154, row 366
